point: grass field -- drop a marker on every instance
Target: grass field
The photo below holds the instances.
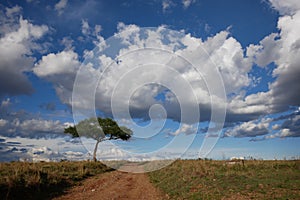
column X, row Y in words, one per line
column 199, row 179
column 183, row 179
column 23, row 180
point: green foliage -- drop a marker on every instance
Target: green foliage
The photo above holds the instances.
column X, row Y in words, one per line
column 126, row 130
column 72, row 130
column 111, row 128
column 99, row 128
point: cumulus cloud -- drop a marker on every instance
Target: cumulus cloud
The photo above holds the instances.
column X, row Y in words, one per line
column 5, row 103
column 282, row 127
column 12, row 11
column 23, row 124
column 60, row 69
column 17, row 44
column 290, row 126
column 265, row 52
column 60, row 6
column 39, row 125
column 31, row 128
column 224, row 50
column 56, row 149
column 98, row 29
column 187, row 3
column 281, row 134
column 166, row 4
column 85, row 28
column 283, row 50
column 287, row 7
column 65, row 62
column 67, row 42
column 3, row 122
column 91, row 33
column 249, row 129
column 228, row 57
column 4, row 108
column 35, row 150
column 185, row 129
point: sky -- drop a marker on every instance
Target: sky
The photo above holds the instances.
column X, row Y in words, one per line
column 191, row 78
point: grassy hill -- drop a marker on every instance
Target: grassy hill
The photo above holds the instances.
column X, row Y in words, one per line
column 199, row 179
column 183, row 179
column 44, row 180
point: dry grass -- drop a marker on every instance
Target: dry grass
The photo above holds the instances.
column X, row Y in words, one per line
column 199, row 179
column 23, row 180
column 184, row 179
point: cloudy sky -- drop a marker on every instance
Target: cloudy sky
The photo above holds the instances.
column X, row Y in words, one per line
column 190, row 77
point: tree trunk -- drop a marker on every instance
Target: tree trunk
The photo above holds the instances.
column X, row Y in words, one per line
column 95, row 151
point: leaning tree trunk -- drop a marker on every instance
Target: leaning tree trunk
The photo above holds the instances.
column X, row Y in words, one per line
column 95, row 151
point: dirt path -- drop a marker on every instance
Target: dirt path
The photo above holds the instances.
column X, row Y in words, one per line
column 115, row 185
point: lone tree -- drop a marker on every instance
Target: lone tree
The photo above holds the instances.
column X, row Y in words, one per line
column 100, row 129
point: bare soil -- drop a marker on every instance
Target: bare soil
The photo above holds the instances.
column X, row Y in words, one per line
column 115, row 185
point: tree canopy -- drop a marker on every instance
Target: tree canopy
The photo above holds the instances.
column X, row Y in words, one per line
column 99, row 129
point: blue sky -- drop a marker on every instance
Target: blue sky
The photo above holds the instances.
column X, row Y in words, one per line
column 179, row 67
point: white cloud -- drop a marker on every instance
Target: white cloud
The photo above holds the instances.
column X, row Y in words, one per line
column 41, row 149
column 281, row 134
column 187, row 3
column 85, row 28
column 5, row 103
column 265, row 52
column 60, row 6
column 13, row 11
column 65, row 62
column 207, row 28
column 60, row 69
column 91, row 33
column 98, row 29
column 16, row 47
column 250, row 129
column 3, row 122
column 276, row 127
column 40, row 126
column 185, row 129
column 226, row 52
column 166, row 4
column 252, row 106
column 283, row 49
column 291, row 126
column 68, row 43
column 286, row 126
column 23, row 124
column 286, row 7
column 55, row 149
column 68, row 124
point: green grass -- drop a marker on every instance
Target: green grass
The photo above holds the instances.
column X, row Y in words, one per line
column 199, row 179
column 184, row 179
column 24, row 180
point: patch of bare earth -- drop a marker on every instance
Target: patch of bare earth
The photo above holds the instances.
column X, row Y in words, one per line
column 114, row 185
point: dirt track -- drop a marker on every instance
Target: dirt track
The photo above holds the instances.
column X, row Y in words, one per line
column 114, row 185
